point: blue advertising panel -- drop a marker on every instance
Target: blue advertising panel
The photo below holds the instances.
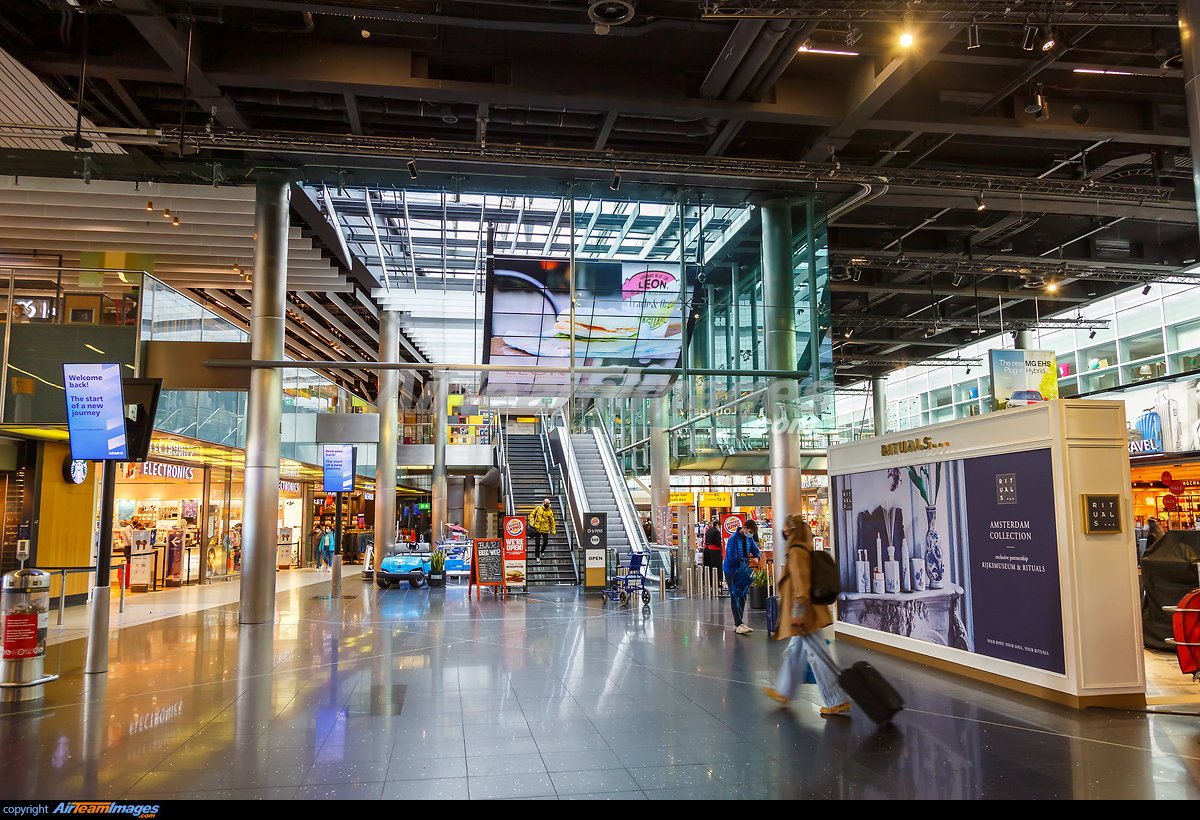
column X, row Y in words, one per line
column 95, row 411
column 338, row 463
column 961, row 553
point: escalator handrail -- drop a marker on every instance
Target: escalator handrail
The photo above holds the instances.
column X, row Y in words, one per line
column 625, row 505
column 568, row 528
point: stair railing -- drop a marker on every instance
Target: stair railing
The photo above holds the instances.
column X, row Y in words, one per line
column 616, row 478
column 559, row 491
column 510, row 507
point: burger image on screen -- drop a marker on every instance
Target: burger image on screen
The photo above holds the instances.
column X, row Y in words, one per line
column 600, row 326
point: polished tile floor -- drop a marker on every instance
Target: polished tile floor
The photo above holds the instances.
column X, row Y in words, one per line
column 425, row 694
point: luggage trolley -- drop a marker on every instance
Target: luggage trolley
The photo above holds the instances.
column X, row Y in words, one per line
column 624, row 587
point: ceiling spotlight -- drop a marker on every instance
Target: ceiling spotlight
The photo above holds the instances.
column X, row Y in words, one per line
column 412, row 169
column 1030, row 37
column 968, row 371
column 149, row 205
column 1033, row 103
column 973, row 36
column 1146, row 290
column 1043, row 113
column 365, row 34
column 175, row 220
column 1092, row 335
column 979, row 203
column 856, row 274
column 806, row 45
column 853, row 36
column 237, row 268
column 957, row 279
column 906, row 39
column 166, row 213
column 615, row 185
column 1051, row 286
column 1050, row 40
column 849, row 332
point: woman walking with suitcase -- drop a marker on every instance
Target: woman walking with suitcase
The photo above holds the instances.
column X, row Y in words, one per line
column 801, row 620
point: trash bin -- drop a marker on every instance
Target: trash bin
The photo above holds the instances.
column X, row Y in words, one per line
column 24, row 620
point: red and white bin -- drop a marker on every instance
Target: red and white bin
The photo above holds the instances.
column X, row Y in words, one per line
column 24, row 621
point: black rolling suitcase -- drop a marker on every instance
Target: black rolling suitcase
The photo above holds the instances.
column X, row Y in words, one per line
column 866, row 687
column 871, row 692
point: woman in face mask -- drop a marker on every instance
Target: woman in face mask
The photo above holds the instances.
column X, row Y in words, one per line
column 542, row 524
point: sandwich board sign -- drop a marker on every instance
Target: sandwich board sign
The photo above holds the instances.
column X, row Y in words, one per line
column 487, row 568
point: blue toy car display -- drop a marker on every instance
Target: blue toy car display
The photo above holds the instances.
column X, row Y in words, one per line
column 412, row 567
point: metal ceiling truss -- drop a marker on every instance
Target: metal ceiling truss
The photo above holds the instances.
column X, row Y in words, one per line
column 848, row 361
column 1044, row 270
column 654, row 165
column 992, row 12
column 946, row 323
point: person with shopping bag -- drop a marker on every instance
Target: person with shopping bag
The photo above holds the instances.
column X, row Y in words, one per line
column 737, row 565
column 800, row 622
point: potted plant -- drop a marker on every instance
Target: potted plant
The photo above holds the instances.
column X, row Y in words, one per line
column 758, row 588
column 437, row 569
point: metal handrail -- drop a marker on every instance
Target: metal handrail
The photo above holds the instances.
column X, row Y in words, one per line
column 628, row 510
column 568, row 524
column 732, row 403
column 509, row 506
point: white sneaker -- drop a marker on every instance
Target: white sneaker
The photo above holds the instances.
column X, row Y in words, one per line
column 742, row 629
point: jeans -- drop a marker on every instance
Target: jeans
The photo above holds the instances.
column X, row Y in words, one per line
column 540, row 540
column 323, row 559
column 736, row 602
column 809, row 650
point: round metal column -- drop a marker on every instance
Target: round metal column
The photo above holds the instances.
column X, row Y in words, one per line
column 438, row 506
column 389, row 431
column 879, row 403
column 264, row 405
column 779, row 322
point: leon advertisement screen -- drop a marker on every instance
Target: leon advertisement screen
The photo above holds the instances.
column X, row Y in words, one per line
column 626, row 314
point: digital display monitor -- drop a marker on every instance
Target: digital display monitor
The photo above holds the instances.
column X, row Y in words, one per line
column 627, row 314
column 338, row 463
column 95, row 412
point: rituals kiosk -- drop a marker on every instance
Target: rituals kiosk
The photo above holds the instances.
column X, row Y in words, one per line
column 999, row 547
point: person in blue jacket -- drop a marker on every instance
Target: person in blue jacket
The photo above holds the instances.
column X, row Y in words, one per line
column 326, row 551
column 738, row 551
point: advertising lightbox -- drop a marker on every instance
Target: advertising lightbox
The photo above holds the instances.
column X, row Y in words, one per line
column 626, row 314
column 1022, row 377
column 95, row 411
column 338, row 466
column 962, row 553
column 1161, row 418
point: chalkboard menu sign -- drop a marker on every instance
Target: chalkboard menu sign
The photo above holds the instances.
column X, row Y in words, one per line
column 489, row 562
column 1101, row 514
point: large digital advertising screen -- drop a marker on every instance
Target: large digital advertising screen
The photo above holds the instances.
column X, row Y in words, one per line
column 1022, row 377
column 337, row 461
column 627, row 314
column 961, row 553
column 95, row 411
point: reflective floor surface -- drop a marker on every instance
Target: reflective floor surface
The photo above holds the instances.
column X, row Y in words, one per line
column 424, row 694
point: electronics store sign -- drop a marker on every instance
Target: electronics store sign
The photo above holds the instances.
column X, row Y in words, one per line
column 175, row 472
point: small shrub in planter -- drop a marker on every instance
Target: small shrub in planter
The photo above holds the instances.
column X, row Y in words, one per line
column 437, row 569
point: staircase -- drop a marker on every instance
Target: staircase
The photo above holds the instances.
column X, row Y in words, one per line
column 531, row 484
column 599, row 491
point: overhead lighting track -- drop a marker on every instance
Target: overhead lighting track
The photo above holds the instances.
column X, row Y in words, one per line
column 991, row 12
column 650, row 166
column 844, row 362
column 945, row 323
column 863, row 260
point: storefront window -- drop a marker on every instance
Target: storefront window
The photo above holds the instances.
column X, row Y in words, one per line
column 1142, row 346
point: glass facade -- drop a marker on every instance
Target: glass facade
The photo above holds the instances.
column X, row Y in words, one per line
column 1150, row 336
column 220, row 416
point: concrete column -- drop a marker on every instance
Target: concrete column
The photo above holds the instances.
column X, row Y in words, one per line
column 1189, row 17
column 437, row 507
column 779, row 322
column 879, row 402
column 660, row 462
column 469, row 505
column 264, row 405
column 1023, row 340
column 389, row 431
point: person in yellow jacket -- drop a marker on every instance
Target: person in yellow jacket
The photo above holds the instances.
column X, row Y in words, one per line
column 541, row 521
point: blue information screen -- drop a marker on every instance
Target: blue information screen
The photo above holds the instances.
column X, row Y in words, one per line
column 338, row 463
column 95, row 411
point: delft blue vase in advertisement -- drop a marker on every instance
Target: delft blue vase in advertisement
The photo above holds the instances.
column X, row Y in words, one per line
column 935, row 567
